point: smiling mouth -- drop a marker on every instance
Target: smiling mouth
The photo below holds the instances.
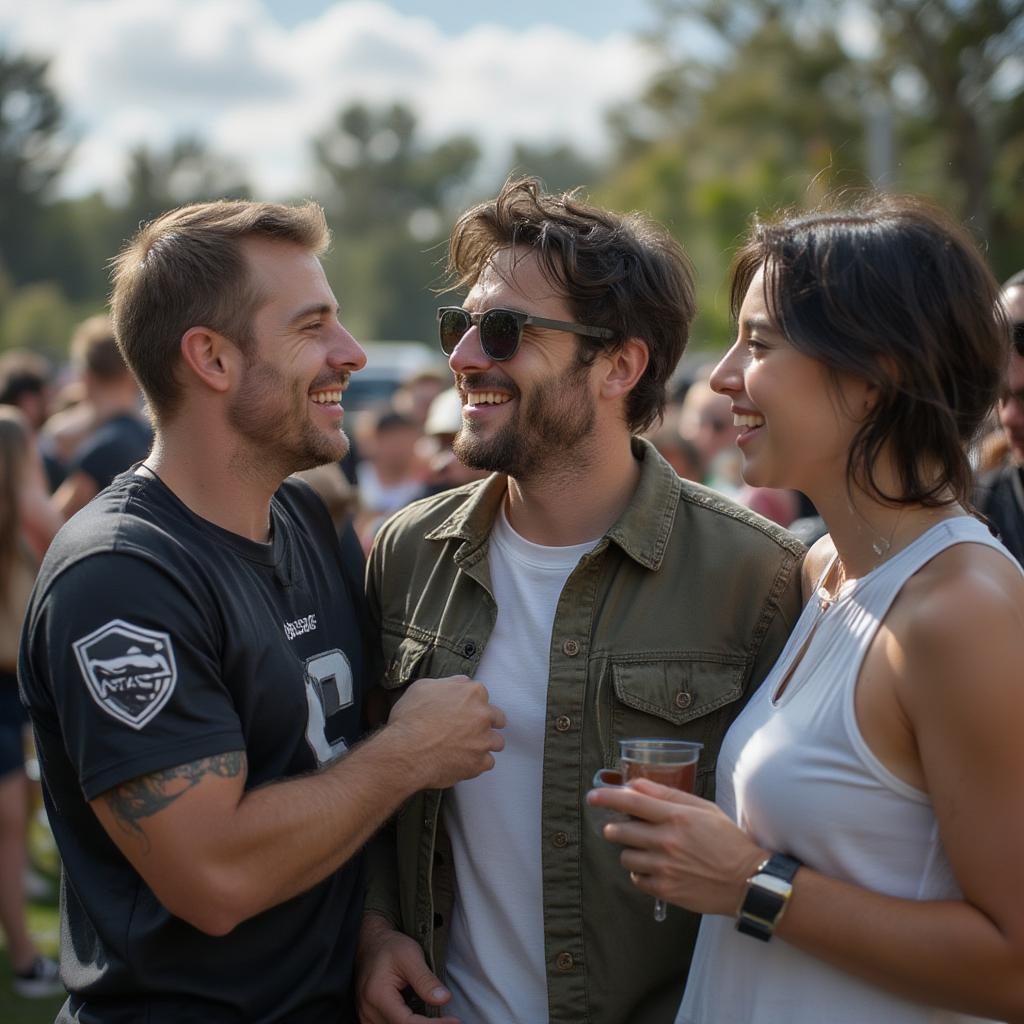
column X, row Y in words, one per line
column 487, row 398
column 747, row 422
column 327, row 396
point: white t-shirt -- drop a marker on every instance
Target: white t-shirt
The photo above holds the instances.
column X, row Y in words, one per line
column 496, row 970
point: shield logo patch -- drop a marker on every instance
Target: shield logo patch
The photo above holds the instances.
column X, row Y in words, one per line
column 130, row 671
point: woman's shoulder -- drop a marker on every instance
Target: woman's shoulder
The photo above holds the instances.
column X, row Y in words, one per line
column 964, row 608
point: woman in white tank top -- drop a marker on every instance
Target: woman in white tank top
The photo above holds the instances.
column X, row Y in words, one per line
column 870, row 817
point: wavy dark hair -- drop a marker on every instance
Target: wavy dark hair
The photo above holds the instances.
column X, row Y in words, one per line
column 620, row 271
column 892, row 291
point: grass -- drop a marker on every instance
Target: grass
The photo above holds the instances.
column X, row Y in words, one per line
column 44, row 925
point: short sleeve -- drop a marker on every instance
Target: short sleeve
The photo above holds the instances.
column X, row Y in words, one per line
column 129, row 664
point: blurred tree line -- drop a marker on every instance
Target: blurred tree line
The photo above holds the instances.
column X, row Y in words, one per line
column 751, row 105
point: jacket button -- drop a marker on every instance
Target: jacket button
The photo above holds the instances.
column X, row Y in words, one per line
column 563, row 723
column 560, row 839
column 469, row 649
column 683, row 700
column 564, row 961
column 571, row 648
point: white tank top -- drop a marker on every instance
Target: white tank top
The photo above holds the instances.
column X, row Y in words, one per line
column 796, row 774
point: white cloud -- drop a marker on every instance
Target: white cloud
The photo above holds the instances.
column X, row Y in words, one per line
column 132, row 71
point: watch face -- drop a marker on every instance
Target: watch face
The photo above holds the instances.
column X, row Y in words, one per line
column 779, row 886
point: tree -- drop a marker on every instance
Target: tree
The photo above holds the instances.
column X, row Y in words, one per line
column 758, row 104
column 764, row 116
column 955, row 66
column 559, row 166
column 390, row 200
column 186, row 172
column 32, row 156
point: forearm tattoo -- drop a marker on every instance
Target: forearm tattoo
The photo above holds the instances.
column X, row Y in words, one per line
column 149, row 794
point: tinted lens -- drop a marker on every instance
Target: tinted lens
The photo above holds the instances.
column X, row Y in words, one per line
column 499, row 334
column 451, row 326
column 1018, row 338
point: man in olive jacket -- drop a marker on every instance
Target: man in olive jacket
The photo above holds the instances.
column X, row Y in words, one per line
column 595, row 594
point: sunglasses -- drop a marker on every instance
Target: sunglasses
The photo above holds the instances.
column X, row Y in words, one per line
column 501, row 330
column 1018, row 337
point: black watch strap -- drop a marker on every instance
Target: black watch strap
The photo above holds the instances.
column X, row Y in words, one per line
column 763, row 904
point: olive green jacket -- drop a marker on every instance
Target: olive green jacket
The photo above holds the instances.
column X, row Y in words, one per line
column 663, row 629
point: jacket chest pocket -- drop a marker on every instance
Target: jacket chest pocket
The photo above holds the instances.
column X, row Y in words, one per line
column 407, row 659
column 685, row 697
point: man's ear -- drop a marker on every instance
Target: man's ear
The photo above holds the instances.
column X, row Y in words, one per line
column 211, row 357
column 623, row 368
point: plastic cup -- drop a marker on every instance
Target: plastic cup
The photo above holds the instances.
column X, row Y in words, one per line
column 666, row 761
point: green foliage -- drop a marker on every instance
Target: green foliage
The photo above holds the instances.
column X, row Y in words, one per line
column 390, row 199
column 752, row 105
column 775, row 111
column 32, row 155
column 38, row 317
column 559, row 166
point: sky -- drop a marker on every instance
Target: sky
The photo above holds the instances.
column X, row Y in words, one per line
column 258, row 78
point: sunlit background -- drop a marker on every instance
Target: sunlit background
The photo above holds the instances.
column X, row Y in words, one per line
column 398, row 115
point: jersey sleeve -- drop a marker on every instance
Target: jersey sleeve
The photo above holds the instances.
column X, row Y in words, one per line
column 129, row 663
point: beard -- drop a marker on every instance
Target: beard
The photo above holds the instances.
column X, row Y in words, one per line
column 546, row 435
column 272, row 414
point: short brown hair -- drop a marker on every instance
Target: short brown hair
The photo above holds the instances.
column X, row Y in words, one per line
column 94, row 349
column 622, row 272
column 892, row 291
column 187, row 269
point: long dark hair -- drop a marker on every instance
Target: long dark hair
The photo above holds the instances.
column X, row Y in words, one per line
column 892, row 291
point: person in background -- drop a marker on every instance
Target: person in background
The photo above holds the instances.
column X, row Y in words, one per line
column 414, row 395
column 115, row 433
column 591, row 590
column 21, row 474
column 25, row 383
column 863, row 862
column 390, row 474
column 1000, row 491
column 682, row 455
column 444, row 468
column 705, row 421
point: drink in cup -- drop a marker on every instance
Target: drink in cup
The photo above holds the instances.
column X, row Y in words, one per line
column 668, row 762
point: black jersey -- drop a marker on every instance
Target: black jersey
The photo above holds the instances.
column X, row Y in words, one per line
column 155, row 638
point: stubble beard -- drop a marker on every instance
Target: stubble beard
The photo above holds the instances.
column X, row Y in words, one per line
column 547, row 435
column 288, row 441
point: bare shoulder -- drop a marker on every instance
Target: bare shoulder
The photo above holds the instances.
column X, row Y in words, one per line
column 820, row 553
column 962, row 615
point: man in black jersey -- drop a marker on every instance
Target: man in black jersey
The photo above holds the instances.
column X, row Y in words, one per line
column 193, row 658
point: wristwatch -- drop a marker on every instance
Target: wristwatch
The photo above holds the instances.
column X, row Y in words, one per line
column 768, row 892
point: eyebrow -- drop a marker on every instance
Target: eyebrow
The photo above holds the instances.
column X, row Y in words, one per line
column 320, row 308
column 758, row 323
